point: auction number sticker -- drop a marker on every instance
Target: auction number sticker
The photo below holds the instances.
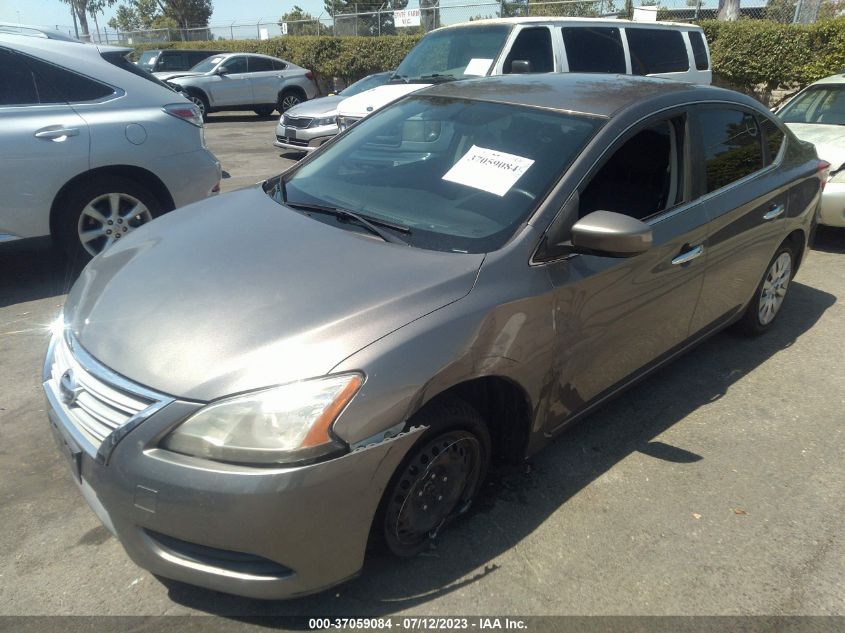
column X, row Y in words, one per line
column 488, row 170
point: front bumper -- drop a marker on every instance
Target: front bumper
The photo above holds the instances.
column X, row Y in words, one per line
column 257, row 532
column 833, row 205
column 303, row 139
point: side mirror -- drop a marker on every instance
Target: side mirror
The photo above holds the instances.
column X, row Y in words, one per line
column 221, row 70
column 521, row 66
column 611, row 234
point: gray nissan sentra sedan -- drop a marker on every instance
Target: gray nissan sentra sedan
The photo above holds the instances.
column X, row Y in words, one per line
column 458, row 277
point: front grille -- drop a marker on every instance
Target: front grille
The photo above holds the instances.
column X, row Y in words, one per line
column 90, row 397
column 291, row 141
column 299, row 123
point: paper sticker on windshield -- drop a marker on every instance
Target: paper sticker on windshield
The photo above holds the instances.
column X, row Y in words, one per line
column 488, row 170
column 478, row 66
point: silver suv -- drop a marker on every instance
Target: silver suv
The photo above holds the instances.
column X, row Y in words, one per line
column 244, row 81
column 91, row 147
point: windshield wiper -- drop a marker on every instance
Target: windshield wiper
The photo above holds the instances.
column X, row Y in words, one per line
column 369, row 223
column 395, row 78
column 437, row 78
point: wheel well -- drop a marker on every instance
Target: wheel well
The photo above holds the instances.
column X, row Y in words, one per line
column 505, row 408
column 798, row 241
column 295, row 89
column 140, row 175
column 198, row 92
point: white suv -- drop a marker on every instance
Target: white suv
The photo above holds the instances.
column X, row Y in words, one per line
column 91, row 146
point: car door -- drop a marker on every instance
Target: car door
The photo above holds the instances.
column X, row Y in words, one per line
column 615, row 316
column 232, row 88
column 43, row 144
column 747, row 200
column 266, row 82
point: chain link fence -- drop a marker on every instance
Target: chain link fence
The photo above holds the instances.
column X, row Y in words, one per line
column 430, row 14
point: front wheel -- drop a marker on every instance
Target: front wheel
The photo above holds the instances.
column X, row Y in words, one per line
column 438, row 479
column 770, row 294
column 200, row 102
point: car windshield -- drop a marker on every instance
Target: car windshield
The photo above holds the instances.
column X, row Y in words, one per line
column 367, row 83
column 454, row 174
column 147, row 60
column 822, row 104
column 207, row 65
column 453, row 53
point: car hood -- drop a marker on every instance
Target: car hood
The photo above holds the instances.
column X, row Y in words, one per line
column 175, row 75
column 828, row 139
column 238, row 292
column 364, row 103
column 321, row 107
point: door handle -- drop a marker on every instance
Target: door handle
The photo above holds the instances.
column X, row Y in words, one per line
column 56, row 133
column 688, row 256
column 774, row 211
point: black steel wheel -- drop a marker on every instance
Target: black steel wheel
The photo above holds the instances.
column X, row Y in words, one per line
column 438, row 480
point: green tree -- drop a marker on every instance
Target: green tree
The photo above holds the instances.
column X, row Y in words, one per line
column 300, row 22
column 83, row 8
column 187, row 13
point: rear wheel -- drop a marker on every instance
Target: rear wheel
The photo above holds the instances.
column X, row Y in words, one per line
column 438, row 479
column 770, row 294
column 101, row 212
column 288, row 99
column 264, row 112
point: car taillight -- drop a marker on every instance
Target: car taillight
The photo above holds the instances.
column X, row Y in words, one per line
column 185, row 111
column 823, row 172
column 309, row 75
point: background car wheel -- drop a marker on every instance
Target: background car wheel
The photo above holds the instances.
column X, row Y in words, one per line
column 770, row 294
column 199, row 100
column 438, row 479
column 98, row 213
column 263, row 112
column 288, row 99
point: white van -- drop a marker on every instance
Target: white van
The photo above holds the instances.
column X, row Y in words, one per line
column 541, row 45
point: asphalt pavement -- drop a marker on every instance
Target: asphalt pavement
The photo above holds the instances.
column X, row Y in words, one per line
column 716, row 487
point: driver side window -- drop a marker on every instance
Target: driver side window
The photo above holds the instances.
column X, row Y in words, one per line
column 235, row 65
column 643, row 177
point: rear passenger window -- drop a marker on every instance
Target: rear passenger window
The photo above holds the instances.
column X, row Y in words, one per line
column 699, row 50
column 594, row 50
column 772, row 138
column 534, row 46
column 59, row 85
column 277, row 65
column 732, row 147
column 17, row 85
column 656, row 51
column 259, row 65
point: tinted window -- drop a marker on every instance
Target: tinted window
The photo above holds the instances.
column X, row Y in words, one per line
column 236, row 65
column 147, row 60
column 699, row 50
column 277, row 65
column 260, row 65
column 535, row 47
column 656, row 51
column 172, row 61
column 58, row 85
column 118, row 59
column 773, row 138
column 732, row 147
column 594, row 50
column 17, row 84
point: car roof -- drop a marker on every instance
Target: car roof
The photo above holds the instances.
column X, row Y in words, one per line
column 565, row 20
column 597, row 94
column 838, row 78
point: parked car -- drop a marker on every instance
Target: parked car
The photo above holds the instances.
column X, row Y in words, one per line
column 463, row 275
column 91, row 146
column 541, row 45
column 817, row 115
column 308, row 125
column 168, row 60
column 244, row 81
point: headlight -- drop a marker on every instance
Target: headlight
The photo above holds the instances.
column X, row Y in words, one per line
column 282, row 425
column 329, row 120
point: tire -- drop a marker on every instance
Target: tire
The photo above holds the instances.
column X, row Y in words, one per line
column 438, row 479
column 264, row 112
column 199, row 100
column 92, row 204
column 770, row 294
column 288, row 99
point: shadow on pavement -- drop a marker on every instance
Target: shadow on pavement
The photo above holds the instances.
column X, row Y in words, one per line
column 32, row 271
column 829, row 239
column 516, row 502
column 239, row 117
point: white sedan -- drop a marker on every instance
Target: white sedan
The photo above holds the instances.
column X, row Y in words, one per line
column 817, row 114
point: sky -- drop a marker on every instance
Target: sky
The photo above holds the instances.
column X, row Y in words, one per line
column 55, row 12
